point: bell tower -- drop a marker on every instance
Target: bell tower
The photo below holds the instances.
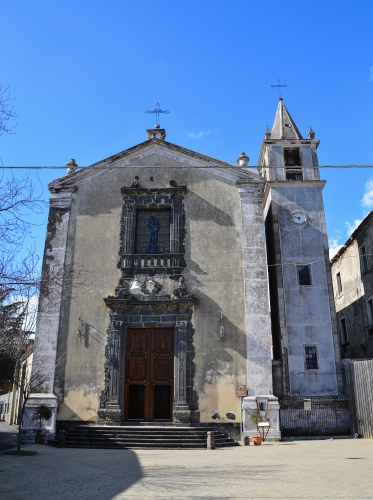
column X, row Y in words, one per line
column 306, row 358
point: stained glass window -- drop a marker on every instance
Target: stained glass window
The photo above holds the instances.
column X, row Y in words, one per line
column 152, row 231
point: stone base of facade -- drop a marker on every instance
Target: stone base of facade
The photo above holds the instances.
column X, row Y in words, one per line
column 182, row 415
column 249, row 407
column 29, row 425
column 110, row 416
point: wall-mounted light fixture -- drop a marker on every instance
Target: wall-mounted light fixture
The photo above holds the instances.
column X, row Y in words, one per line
column 221, row 329
column 135, row 287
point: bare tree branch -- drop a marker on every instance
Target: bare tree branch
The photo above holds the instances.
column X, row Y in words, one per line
column 7, row 112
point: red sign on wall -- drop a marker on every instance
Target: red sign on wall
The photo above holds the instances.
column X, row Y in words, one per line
column 241, row 391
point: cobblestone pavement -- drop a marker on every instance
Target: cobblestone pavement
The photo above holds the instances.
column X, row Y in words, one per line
column 337, row 469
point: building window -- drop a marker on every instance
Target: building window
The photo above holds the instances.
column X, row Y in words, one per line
column 294, row 175
column 370, row 310
column 152, row 231
column 310, row 357
column 292, row 158
column 339, row 283
column 363, row 259
column 344, row 338
column 304, row 275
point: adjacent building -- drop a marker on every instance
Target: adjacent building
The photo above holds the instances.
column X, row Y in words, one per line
column 352, row 270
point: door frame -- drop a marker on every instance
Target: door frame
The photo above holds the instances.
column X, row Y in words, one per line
column 124, row 314
column 150, row 369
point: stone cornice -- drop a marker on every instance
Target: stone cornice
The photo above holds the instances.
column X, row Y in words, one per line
column 61, row 200
column 143, row 190
column 130, row 302
column 138, row 153
column 292, row 185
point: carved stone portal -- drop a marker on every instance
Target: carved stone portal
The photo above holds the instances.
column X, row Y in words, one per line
column 151, row 242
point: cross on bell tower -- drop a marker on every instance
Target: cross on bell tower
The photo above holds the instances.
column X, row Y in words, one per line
column 279, row 85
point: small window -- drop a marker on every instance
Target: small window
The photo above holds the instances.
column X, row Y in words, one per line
column 339, row 283
column 304, row 275
column 294, row 176
column 363, row 259
column 344, row 338
column 310, row 357
column 370, row 310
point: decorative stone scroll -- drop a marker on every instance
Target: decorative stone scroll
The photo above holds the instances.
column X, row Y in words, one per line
column 181, row 407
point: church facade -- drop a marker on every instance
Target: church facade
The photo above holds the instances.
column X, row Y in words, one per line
column 200, row 276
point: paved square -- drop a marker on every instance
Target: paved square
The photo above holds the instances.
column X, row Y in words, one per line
column 337, row 469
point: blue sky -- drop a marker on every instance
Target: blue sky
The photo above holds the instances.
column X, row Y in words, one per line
column 84, row 73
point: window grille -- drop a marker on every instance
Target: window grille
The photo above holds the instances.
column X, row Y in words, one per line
column 343, row 331
column 304, row 275
column 370, row 310
column 310, row 357
column 363, row 259
column 339, row 283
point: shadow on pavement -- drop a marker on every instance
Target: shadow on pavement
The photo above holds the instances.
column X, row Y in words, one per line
column 69, row 473
column 8, row 436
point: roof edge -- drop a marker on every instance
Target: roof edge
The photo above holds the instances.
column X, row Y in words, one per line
column 353, row 236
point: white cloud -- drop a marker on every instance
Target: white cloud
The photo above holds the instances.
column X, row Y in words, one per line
column 367, row 199
column 351, row 227
column 198, row 135
column 334, row 246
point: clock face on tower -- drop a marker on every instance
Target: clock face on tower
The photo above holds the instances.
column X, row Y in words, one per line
column 298, row 218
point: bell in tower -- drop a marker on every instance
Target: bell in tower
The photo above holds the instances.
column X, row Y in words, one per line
column 292, row 158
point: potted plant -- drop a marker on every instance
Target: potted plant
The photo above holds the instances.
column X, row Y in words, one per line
column 255, row 418
column 42, row 413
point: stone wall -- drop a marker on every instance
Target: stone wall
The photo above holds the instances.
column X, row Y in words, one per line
column 213, row 274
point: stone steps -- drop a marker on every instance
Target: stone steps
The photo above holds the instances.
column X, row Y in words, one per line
column 140, row 437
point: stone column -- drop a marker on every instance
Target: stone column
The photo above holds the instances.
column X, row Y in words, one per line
column 47, row 325
column 110, row 411
column 258, row 324
column 181, row 407
column 127, row 231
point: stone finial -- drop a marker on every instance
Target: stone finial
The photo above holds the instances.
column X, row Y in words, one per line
column 156, row 133
column 267, row 134
column 311, row 133
column 71, row 166
column 243, row 160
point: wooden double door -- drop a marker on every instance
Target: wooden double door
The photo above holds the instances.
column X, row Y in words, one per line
column 149, row 374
